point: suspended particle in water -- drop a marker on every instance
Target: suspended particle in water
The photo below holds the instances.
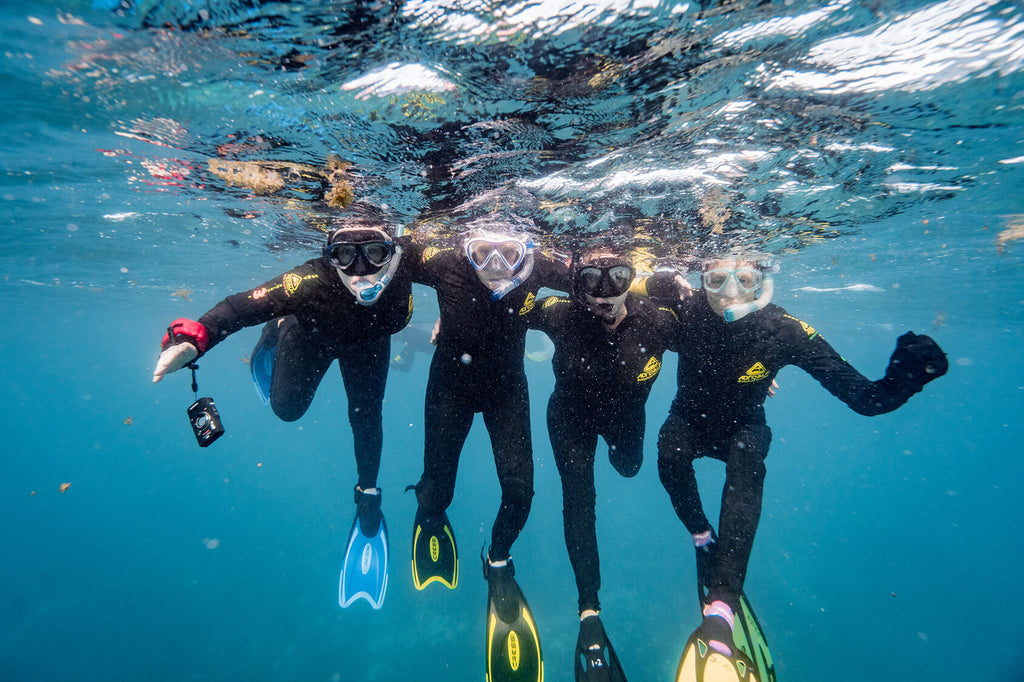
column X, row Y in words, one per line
column 64, row 487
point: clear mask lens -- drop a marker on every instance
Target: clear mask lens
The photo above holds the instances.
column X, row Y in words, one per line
column 747, row 279
column 495, row 255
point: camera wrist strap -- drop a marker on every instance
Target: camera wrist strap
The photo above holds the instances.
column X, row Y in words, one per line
column 195, row 385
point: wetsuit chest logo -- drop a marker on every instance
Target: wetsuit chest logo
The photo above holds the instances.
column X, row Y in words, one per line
column 651, row 369
column 757, row 372
column 528, row 303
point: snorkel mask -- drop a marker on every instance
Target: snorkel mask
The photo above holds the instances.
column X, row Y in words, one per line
column 361, row 251
column 488, row 252
column 734, row 282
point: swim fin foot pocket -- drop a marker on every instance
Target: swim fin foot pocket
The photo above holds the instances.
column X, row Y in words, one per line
column 364, row 571
column 596, row 660
column 513, row 643
column 435, row 556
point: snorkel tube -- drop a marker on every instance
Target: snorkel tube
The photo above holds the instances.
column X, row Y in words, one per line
column 366, row 293
column 735, row 312
column 520, row 277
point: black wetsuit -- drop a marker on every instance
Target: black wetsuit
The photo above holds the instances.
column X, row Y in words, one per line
column 602, row 381
column 478, row 367
column 725, row 370
column 319, row 322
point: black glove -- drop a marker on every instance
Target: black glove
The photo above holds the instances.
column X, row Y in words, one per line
column 916, row 361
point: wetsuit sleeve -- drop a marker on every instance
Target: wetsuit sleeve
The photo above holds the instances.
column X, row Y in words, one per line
column 545, row 316
column 552, row 274
column 281, row 296
column 660, row 286
column 427, row 263
column 905, row 376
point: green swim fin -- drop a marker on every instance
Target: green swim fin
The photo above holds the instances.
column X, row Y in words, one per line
column 513, row 643
column 749, row 638
column 435, row 556
column 743, row 658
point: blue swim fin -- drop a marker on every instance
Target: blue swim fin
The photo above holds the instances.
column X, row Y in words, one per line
column 261, row 362
column 364, row 573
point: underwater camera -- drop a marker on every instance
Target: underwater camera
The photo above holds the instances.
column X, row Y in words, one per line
column 203, row 415
column 205, row 421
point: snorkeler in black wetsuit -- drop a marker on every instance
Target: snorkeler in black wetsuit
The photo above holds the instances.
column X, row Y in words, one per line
column 477, row 366
column 608, row 349
column 725, row 370
column 343, row 306
column 484, row 291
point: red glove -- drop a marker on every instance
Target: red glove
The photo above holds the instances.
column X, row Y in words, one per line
column 193, row 332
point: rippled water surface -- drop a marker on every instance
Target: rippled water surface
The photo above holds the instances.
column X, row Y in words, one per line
column 160, row 155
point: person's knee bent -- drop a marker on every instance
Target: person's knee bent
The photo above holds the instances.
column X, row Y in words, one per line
column 675, row 454
column 748, row 452
column 433, row 498
column 288, row 410
column 517, row 493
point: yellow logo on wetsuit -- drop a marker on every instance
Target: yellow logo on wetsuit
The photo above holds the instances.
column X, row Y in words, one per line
column 528, row 303
column 292, row 283
column 669, row 310
column 408, row 315
column 432, row 251
column 757, row 372
column 651, row 369
column 808, row 329
column 553, row 300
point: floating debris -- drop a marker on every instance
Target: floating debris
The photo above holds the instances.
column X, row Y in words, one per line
column 64, row 487
column 128, row 421
column 268, row 177
column 1014, row 230
column 183, row 293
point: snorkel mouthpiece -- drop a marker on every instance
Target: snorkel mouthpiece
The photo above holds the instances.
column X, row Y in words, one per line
column 735, row 312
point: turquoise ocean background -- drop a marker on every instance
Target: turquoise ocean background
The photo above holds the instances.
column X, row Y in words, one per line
column 889, row 548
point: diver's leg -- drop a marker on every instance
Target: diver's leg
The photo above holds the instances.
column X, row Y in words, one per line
column 677, row 448
column 574, row 443
column 624, row 433
column 741, row 510
column 364, row 371
column 508, row 425
column 448, row 417
column 300, row 363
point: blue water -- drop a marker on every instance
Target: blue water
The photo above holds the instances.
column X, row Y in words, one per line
column 876, row 148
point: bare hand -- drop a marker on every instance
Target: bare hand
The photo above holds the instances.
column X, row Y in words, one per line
column 685, row 290
column 174, row 358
